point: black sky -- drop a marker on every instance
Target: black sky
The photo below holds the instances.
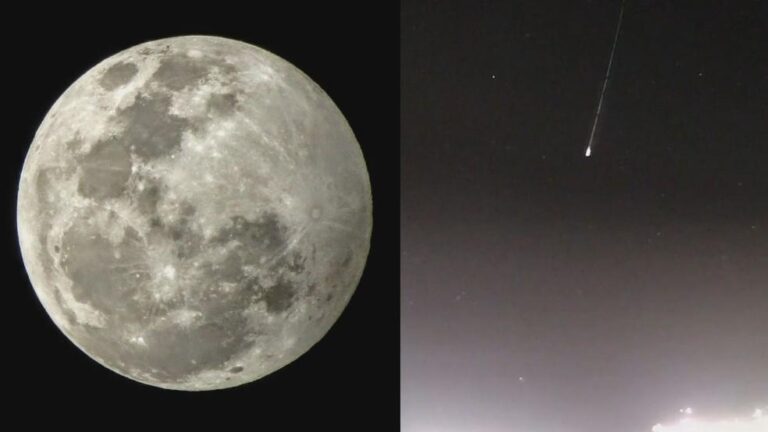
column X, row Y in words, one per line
column 620, row 288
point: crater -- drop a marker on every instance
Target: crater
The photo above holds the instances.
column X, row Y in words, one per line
column 118, row 75
column 236, row 369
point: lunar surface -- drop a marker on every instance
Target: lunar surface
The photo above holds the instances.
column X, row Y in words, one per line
column 194, row 213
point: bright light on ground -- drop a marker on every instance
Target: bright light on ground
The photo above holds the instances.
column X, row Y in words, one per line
column 758, row 422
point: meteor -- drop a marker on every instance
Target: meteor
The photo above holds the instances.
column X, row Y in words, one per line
column 588, row 152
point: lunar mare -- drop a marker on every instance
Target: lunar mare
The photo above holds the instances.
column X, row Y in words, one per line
column 194, row 213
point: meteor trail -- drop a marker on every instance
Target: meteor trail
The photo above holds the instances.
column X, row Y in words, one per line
column 588, row 153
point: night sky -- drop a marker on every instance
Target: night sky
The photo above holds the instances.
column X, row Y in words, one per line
column 543, row 291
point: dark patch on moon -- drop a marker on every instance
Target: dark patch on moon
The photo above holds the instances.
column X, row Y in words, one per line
column 171, row 353
column 347, row 259
column 222, row 333
column 295, row 263
column 222, row 104
column 236, row 369
column 151, row 131
column 102, row 274
column 230, row 269
column 74, row 145
column 148, row 51
column 186, row 241
column 187, row 209
column 178, row 71
column 105, row 171
column 178, row 352
column 279, row 297
column 119, row 74
column 104, row 277
column 265, row 233
column 147, row 199
column 254, row 241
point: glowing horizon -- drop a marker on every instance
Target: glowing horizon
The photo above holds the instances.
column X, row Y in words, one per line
column 758, row 422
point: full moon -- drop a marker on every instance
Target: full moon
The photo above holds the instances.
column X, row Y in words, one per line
column 194, row 213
